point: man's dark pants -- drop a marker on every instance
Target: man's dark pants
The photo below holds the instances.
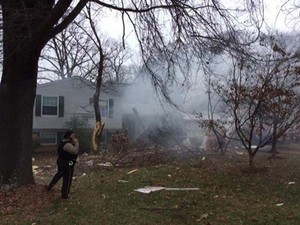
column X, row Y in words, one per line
column 65, row 170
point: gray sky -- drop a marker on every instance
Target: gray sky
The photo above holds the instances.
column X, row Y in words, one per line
column 276, row 15
column 112, row 25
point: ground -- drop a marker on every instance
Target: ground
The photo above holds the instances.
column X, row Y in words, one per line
column 31, row 199
column 27, row 200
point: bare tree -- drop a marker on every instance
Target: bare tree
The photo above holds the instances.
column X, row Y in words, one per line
column 119, row 69
column 107, row 67
column 261, row 98
column 283, row 108
column 29, row 24
column 80, row 50
column 290, row 9
column 65, row 55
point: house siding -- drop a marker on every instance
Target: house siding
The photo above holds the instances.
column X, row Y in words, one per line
column 76, row 103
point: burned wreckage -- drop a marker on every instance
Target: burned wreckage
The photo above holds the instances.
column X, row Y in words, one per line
column 163, row 131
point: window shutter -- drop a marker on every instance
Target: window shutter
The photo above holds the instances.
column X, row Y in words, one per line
column 111, row 107
column 91, row 100
column 38, row 105
column 61, row 106
column 60, row 136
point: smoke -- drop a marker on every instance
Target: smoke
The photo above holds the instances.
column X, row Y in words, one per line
column 149, row 117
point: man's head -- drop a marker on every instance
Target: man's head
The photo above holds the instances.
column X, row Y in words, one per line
column 68, row 134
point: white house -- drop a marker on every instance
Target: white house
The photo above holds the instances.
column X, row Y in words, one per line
column 132, row 107
column 59, row 101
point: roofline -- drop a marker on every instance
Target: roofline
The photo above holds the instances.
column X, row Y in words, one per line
column 64, row 80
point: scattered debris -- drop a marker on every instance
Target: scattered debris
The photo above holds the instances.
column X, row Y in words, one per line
column 280, row 204
column 46, row 166
column 149, row 189
column 182, row 189
column 84, row 154
column 204, row 216
column 107, row 164
column 89, row 163
column 123, row 181
column 291, row 183
column 34, row 169
column 240, row 153
column 132, row 171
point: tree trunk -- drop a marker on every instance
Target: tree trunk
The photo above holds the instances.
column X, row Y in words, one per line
column 17, row 93
column 274, row 149
column 274, row 142
column 251, row 161
column 96, row 139
column 27, row 26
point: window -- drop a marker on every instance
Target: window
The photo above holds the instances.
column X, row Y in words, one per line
column 48, row 138
column 50, row 106
column 104, row 107
column 107, row 107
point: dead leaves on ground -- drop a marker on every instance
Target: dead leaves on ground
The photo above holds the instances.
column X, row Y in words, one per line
column 24, row 202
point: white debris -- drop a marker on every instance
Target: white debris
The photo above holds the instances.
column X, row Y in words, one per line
column 107, row 164
column 123, row 181
column 240, row 153
column 90, row 163
column 132, row 171
column 182, row 189
column 34, row 169
column 149, row 189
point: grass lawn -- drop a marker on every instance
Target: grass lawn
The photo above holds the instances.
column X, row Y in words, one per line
column 228, row 194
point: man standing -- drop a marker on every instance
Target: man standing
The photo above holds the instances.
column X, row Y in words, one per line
column 116, row 142
column 67, row 152
column 125, row 141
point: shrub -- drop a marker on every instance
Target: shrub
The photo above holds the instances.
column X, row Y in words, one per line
column 83, row 133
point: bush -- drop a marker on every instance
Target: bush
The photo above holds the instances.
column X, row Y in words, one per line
column 85, row 139
column 83, row 133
